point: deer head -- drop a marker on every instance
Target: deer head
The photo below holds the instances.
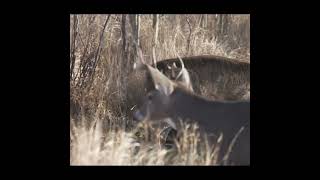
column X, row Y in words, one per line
column 157, row 98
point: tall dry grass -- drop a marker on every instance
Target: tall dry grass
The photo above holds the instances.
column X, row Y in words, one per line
column 93, row 145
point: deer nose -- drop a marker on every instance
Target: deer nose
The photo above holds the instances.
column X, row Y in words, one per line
column 137, row 115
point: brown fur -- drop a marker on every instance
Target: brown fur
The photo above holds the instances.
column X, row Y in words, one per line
column 214, row 77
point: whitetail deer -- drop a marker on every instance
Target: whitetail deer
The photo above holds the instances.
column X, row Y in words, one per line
column 213, row 77
column 174, row 100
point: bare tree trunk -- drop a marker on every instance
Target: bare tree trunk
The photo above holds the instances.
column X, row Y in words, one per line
column 130, row 54
column 97, row 54
column 123, row 30
column 218, row 26
column 73, row 44
column 134, row 26
column 222, row 27
column 212, row 26
column 189, row 37
column 205, row 21
column 138, row 30
column 134, row 21
column 225, row 24
column 201, row 21
column 178, row 21
column 172, row 19
column 155, row 26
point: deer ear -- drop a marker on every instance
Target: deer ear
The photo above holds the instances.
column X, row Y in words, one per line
column 160, row 81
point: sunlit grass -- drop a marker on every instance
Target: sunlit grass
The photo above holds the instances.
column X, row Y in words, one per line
column 95, row 146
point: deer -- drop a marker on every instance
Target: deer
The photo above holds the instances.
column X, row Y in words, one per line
column 217, row 78
column 213, row 76
column 175, row 100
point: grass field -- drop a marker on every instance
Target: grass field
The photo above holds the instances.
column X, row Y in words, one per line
column 101, row 132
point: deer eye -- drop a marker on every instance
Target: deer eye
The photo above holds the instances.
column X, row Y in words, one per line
column 149, row 97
